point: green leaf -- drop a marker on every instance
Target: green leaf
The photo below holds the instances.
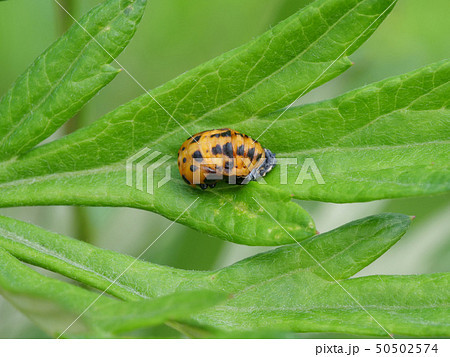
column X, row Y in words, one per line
column 388, row 139
column 54, row 305
column 66, row 76
column 410, row 305
column 87, row 263
column 368, row 239
column 283, row 289
column 265, row 75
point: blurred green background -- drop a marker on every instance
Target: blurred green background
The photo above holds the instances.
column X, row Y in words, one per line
column 177, row 35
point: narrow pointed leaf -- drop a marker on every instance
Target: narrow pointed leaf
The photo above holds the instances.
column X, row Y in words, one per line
column 417, row 305
column 343, row 252
column 69, row 73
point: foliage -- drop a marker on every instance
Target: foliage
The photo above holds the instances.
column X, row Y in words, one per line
column 283, row 289
column 385, row 140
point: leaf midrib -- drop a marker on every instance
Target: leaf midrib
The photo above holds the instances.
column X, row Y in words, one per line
column 14, row 237
column 355, row 307
column 362, row 148
column 119, row 166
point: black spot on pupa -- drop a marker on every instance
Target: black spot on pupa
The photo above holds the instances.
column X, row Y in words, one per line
column 182, row 149
column 184, row 160
column 197, row 155
column 228, row 149
column 186, row 180
column 197, row 138
column 240, row 150
column 258, row 157
column 250, row 153
column 228, row 165
column 193, row 168
column 203, row 186
column 216, row 150
column 226, row 133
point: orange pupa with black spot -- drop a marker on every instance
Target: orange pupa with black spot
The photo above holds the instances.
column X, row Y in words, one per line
column 223, row 154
